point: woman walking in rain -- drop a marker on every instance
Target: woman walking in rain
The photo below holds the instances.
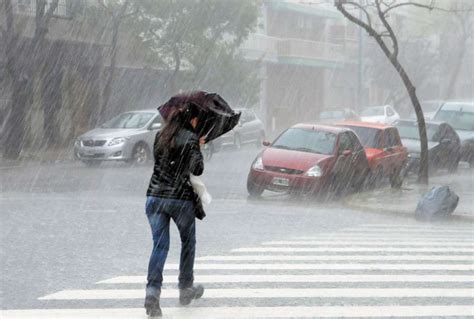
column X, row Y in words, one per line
column 170, row 195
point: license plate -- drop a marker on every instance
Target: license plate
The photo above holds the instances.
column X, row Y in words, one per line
column 89, row 153
column 280, row 181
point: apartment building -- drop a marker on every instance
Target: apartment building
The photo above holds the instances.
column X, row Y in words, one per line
column 309, row 62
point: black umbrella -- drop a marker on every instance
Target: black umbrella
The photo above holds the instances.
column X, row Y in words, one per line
column 216, row 117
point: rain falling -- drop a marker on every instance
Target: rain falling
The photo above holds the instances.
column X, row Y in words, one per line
column 236, row 158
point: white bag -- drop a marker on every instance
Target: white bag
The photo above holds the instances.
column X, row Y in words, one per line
column 200, row 189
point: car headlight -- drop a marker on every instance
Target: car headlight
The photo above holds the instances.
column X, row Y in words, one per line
column 315, row 171
column 78, row 143
column 117, row 141
column 258, row 164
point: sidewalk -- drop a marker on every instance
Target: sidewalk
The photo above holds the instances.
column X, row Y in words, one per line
column 404, row 201
column 54, row 156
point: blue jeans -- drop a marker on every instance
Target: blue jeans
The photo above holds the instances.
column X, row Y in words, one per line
column 159, row 212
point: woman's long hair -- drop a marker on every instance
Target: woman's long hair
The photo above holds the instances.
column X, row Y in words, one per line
column 178, row 118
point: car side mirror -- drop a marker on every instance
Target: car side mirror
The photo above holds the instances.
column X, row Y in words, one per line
column 346, row 153
column 155, row 126
column 266, row 143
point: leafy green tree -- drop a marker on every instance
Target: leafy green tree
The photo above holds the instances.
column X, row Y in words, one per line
column 198, row 41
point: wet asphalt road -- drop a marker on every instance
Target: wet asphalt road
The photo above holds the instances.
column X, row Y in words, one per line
column 67, row 226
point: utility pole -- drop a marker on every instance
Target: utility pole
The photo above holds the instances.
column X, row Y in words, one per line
column 360, row 66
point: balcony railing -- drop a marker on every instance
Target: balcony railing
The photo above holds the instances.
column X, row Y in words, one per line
column 271, row 48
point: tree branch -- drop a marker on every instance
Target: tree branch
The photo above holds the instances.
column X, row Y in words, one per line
column 383, row 18
column 363, row 9
column 419, row 5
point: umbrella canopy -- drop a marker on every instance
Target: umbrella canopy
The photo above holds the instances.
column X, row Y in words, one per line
column 215, row 118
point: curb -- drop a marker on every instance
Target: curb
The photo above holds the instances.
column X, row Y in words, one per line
column 404, row 213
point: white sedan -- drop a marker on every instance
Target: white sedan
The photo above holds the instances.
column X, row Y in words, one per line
column 385, row 114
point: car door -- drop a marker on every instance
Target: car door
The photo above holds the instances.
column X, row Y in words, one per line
column 152, row 130
column 393, row 151
column 343, row 162
column 359, row 163
column 252, row 124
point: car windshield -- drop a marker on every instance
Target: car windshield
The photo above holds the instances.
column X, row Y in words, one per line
column 129, row 120
column 410, row 131
column 373, row 111
column 369, row 137
column 331, row 115
column 457, row 119
column 309, row 141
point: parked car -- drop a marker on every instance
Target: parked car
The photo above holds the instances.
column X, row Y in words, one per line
column 460, row 115
column 386, row 155
column 249, row 130
column 127, row 137
column 429, row 109
column 385, row 114
column 444, row 145
column 309, row 158
column 335, row 115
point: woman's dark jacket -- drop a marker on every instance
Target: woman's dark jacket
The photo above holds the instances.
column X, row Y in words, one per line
column 173, row 165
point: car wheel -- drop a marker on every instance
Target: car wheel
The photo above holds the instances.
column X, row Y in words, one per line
column 254, row 189
column 374, row 179
column 140, row 154
column 237, row 141
column 90, row 163
column 396, row 179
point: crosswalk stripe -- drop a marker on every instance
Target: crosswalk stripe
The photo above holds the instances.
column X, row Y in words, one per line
column 369, row 243
column 417, row 257
column 385, row 237
column 298, row 278
column 324, row 266
column 249, row 312
column 408, row 230
column 401, row 226
column 107, row 294
column 353, row 249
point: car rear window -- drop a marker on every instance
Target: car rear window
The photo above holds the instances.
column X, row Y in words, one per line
column 304, row 140
column 410, row 131
column 459, row 120
column 369, row 137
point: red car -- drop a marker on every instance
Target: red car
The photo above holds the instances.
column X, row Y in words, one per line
column 309, row 158
column 385, row 152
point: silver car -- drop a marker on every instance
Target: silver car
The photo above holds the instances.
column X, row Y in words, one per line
column 249, row 130
column 128, row 137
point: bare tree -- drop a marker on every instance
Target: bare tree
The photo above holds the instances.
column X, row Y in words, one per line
column 23, row 59
column 117, row 14
column 378, row 11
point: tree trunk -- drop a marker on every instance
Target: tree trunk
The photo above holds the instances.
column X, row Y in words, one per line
column 423, row 173
column 52, row 102
column 15, row 125
column 116, row 21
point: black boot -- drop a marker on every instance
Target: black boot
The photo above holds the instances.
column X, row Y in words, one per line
column 186, row 295
column 152, row 305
